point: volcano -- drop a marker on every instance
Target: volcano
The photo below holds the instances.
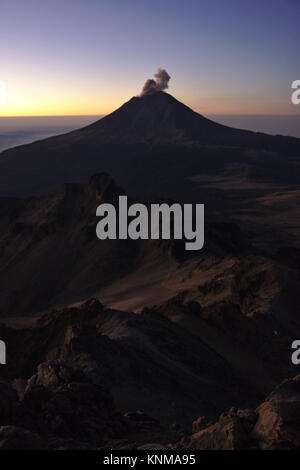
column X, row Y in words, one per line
column 151, row 143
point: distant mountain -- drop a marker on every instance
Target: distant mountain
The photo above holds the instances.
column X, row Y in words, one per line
column 150, row 144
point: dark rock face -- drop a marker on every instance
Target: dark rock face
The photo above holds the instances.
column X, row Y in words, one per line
column 67, row 405
column 8, row 400
column 92, row 377
column 41, row 237
column 199, row 424
column 58, row 404
column 273, row 425
column 278, row 422
column 13, row 437
column 228, row 433
column 142, row 356
column 62, row 408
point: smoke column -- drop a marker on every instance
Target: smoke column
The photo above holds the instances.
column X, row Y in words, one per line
column 161, row 83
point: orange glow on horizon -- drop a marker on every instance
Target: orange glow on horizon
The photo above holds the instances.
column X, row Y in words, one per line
column 22, row 101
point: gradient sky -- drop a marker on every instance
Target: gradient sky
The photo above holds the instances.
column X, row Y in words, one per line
column 68, row 57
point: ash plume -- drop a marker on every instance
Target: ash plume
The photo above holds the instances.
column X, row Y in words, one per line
column 161, row 83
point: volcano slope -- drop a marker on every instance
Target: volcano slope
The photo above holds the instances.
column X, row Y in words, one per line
column 155, row 146
column 150, row 139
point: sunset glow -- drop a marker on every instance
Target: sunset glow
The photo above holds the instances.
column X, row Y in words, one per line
column 76, row 57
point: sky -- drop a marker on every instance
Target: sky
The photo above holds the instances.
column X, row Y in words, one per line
column 81, row 57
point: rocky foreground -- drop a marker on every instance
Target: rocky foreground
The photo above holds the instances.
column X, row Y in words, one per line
column 59, row 408
column 94, row 378
column 273, row 425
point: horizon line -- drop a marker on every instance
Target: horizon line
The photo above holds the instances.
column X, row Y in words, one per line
column 97, row 115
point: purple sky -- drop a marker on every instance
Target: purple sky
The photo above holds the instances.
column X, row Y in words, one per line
column 89, row 56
